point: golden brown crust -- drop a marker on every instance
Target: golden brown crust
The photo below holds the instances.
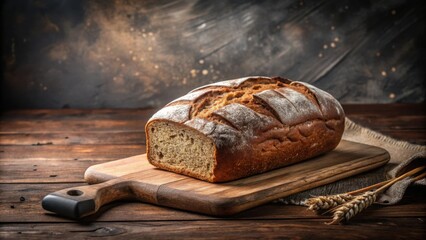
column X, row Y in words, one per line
column 279, row 148
column 257, row 124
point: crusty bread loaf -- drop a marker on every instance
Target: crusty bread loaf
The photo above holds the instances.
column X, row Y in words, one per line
column 237, row 128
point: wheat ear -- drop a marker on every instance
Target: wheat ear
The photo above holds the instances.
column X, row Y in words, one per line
column 326, row 202
column 351, row 208
column 320, row 203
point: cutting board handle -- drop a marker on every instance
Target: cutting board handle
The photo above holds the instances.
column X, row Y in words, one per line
column 77, row 202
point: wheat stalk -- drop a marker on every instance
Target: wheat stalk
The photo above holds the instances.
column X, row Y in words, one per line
column 351, row 208
column 423, row 175
column 326, row 202
column 346, row 205
column 319, row 203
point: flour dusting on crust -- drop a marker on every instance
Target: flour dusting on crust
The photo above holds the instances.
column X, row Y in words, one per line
column 222, row 135
column 177, row 113
column 330, row 107
column 290, row 106
column 305, row 109
column 229, row 83
column 191, row 96
column 249, row 122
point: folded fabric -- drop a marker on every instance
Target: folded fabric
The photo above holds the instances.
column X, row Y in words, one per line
column 404, row 156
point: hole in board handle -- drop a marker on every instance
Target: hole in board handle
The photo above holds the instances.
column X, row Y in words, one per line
column 75, row 192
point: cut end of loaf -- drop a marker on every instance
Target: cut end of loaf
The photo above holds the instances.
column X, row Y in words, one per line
column 180, row 149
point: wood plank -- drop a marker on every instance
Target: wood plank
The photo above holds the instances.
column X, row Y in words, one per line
column 117, row 138
column 44, row 171
column 381, row 228
column 377, row 117
column 57, row 163
column 30, row 210
column 412, row 134
column 71, row 125
column 86, row 132
column 401, row 121
column 391, row 123
column 73, row 138
column 74, row 120
column 135, row 177
column 394, row 109
column 69, row 152
column 76, row 114
column 385, row 110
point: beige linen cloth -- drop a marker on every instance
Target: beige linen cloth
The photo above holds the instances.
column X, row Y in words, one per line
column 404, row 156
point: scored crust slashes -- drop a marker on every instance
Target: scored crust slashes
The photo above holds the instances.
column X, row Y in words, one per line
column 244, row 94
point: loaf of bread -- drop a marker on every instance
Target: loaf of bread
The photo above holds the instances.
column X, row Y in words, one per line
column 237, row 128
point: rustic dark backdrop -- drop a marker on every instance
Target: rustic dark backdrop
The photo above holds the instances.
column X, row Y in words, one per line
column 73, row 53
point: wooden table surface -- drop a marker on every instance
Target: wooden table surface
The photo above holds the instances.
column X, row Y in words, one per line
column 42, row 151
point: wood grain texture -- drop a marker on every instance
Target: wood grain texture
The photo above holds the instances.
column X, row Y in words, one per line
column 45, row 170
column 146, row 53
column 30, row 210
column 73, row 138
column 24, row 218
column 408, row 228
column 134, row 177
column 71, row 152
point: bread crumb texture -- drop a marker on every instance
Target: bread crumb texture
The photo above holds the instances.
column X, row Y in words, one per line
column 181, row 149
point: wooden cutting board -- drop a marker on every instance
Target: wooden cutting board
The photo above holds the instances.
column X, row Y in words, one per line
column 134, row 177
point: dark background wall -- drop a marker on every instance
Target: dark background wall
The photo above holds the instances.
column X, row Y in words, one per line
column 73, row 53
